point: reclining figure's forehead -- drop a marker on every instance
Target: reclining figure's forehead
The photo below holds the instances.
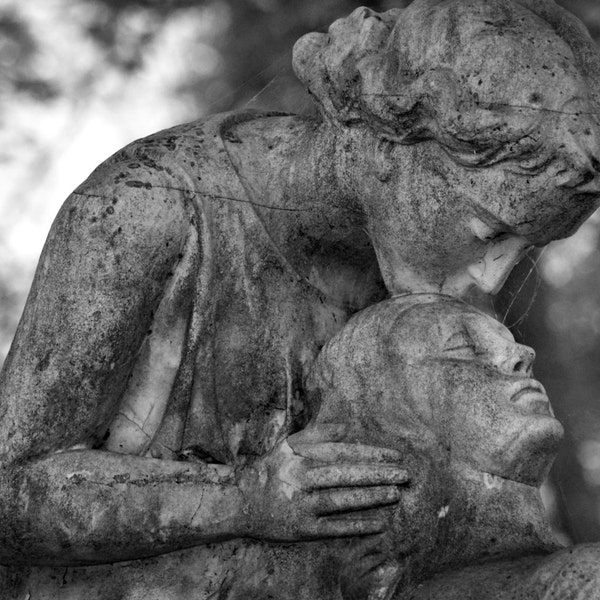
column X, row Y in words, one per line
column 425, row 329
column 408, row 326
column 431, row 331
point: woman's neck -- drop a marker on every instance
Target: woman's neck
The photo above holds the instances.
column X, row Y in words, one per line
column 289, row 168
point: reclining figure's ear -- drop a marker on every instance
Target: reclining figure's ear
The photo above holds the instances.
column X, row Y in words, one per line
column 371, row 572
column 384, row 163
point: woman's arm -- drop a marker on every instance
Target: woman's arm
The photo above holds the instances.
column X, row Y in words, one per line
column 106, row 262
column 104, row 268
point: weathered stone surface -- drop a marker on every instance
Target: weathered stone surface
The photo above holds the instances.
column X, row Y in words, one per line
column 569, row 573
column 448, row 387
column 153, row 407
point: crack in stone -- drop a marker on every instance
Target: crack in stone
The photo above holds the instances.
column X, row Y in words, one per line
column 133, row 423
column 198, row 508
column 540, row 109
column 490, row 105
column 209, row 196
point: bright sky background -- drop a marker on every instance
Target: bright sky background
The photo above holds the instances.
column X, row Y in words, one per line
column 48, row 148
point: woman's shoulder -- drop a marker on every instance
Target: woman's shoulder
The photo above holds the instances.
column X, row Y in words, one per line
column 202, row 137
column 190, row 156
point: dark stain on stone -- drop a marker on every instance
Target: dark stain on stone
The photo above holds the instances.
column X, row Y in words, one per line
column 138, row 184
column 230, row 136
column 535, row 98
column 151, row 164
column 77, row 478
column 43, row 364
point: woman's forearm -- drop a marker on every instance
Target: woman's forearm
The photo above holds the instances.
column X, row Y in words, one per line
column 88, row 506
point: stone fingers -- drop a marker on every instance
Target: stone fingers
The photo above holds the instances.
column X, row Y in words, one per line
column 326, row 432
column 352, row 499
column 338, row 452
column 333, row 527
column 336, row 476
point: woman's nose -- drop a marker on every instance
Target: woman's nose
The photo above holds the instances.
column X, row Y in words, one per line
column 493, row 269
column 362, row 12
column 581, row 149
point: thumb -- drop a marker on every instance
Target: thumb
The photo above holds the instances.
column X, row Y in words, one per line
column 318, row 433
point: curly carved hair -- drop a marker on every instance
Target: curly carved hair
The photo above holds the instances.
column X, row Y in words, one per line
column 473, row 75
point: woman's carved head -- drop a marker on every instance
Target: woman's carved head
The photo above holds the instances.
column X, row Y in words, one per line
column 489, row 81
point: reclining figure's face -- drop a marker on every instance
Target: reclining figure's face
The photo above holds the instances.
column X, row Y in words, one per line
column 492, row 414
column 432, row 373
column 448, row 387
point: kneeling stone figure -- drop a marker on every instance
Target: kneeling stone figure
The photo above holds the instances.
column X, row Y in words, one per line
column 153, row 407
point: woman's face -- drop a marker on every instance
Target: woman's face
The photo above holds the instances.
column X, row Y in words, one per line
column 442, row 227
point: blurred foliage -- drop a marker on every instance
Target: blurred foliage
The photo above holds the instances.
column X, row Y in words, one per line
column 144, row 64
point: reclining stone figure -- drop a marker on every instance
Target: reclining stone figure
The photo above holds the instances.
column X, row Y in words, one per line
column 448, row 387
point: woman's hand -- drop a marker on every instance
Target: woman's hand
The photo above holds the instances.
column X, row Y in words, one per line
column 313, row 486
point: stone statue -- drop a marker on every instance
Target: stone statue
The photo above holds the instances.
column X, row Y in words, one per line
column 153, row 399
column 455, row 394
column 448, row 388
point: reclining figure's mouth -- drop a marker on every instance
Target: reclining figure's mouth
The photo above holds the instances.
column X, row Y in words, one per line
column 531, row 396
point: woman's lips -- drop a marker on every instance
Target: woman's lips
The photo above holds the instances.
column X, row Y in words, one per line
column 531, row 396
